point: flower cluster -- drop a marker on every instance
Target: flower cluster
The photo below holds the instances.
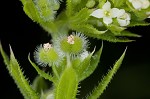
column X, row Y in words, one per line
column 108, row 13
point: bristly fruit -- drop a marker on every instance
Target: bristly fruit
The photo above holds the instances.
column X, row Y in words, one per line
column 47, row 55
column 74, row 44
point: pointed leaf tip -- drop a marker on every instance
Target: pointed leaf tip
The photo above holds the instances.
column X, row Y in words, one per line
column 96, row 93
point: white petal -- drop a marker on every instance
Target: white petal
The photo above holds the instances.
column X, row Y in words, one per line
column 121, row 12
column 128, row 17
column 107, row 6
column 114, row 12
column 130, row 0
column 146, row 4
column 137, row 4
column 107, row 20
column 123, row 22
column 99, row 13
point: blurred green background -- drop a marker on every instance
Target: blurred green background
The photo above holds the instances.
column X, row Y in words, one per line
column 132, row 81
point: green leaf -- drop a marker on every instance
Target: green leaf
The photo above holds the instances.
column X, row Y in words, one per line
column 30, row 10
column 69, row 7
column 40, row 72
column 22, row 83
column 109, row 36
column 118, row 3
column 128, row 34
column 81, row 70
column 76, row 62
column 81, row 17
column 91, row 31
column 39, row 84
column 138, row 23
column 87, row 29
column 46, row 9
column 61, row 67
column 115, row 29
column 73, row 6
column 101, row 3
column 68, row 84
column 80, row 5
column 5, row 57
column 96, row 93
column 90, row 3
column 93, row 64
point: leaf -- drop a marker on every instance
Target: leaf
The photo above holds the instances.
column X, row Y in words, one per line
column 138, row 23
column 128, row 34
column 80, row 5
column 69, row 7
column 115, row 29
column 106, row 80
column 90, row 31
column 80, row 17
column 40, row 72
column 5, row 57
column 20, row 80
column 61, row 67
column 46, row 9
column 101, row 3
column 87, row 29
column 68, row 84
column 118, row 3
column 93, row 64
column 73, row 6
column 81, row 70
column 108, row 36
column 30, row 10
column 39, row 84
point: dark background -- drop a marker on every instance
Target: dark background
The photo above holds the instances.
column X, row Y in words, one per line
column 132, row 81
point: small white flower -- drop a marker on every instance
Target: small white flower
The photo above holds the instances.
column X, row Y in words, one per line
column 47, row 46
column 140, row 4
column 106, row 13
column 70, row 39
column 123, row 18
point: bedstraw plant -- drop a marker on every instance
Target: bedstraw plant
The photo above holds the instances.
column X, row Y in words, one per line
column 70, row 23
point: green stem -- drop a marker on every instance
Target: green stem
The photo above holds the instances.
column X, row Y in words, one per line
column 68, row 60
column 55, row 71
